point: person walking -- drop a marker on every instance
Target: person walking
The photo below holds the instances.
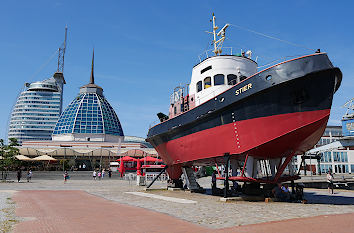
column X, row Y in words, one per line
column 94, row 174
column 66, row 176
column 103, row 173
column 99, row 175
column 19, row 175
column 29, row 175
column 110, row 173
column 213, row 183
column 330, row 181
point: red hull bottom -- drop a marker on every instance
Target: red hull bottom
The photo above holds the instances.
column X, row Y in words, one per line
column 266, row 137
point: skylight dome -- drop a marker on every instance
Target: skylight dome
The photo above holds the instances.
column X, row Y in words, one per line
column 88, row 117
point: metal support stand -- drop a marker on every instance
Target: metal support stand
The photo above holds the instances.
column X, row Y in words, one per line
column 153, row 181
column 226, row 183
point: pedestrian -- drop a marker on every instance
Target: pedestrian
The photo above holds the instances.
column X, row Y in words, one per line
column 213, row 183
column 29, row 176
column 99, row 175
column 94, row 174
column 19, row 175
column 110, row 173
column 103, row 173
column 66, row 176
column 330, row 181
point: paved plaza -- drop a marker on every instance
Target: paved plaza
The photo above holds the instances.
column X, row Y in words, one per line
column 112, row 205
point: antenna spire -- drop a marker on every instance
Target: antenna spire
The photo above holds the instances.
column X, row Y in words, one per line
column 61, row 53
column 92, row 78
column 218, row 42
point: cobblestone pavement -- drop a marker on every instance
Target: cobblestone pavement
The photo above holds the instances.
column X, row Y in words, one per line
column 208, row 211
column 78, row 211
column 7, row 211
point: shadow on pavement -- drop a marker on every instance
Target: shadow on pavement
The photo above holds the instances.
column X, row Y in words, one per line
column 329, row 199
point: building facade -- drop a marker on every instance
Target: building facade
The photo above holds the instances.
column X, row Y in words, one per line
column 37, row 110
column 338, row 159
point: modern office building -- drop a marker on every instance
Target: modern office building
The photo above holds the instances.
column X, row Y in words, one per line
column 37, row 109
column 335, row 152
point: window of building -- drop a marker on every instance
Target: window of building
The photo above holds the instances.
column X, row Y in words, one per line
column 219, row 79
column 199, row 86
column 207, row 82
column 325, row 168
column 336, row 156
column 345, row 157
column 326, row 157
column 231, row 79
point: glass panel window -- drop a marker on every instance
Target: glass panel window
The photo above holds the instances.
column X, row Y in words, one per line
column 207, row 82
column 199, row 86
column 242, row 77
column 219, row 79
column 231, row 79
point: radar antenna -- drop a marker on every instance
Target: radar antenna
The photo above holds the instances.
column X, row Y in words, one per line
column 61, row 53
column 219, row 37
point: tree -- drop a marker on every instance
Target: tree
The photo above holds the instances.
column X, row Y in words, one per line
column 8, row 152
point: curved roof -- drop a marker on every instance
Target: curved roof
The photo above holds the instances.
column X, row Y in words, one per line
column 89, row 113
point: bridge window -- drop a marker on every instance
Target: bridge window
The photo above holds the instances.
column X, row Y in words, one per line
column 219, row 79
column 199, row 86
column 207, row 82
column 231, row 79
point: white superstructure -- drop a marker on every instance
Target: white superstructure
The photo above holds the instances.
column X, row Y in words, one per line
column 213, row 75
column 217, row 74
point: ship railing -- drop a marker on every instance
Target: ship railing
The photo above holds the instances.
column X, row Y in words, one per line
column 152, row 124
column 279, row 60
column 225, row 51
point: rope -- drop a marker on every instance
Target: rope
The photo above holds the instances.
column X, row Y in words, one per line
column 272, row 37
column 44, row 64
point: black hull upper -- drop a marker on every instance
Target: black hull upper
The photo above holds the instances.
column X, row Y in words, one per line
column 299, row 85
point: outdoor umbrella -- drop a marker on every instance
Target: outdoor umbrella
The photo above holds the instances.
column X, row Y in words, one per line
column 22, row 158
column 44, row 158
column 150, row 159
column 126, row 159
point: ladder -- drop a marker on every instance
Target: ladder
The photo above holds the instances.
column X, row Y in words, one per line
column 191, row 181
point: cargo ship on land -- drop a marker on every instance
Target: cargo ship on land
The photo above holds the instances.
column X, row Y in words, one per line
column 256, row 121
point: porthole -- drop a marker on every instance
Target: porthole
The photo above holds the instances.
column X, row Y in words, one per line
column 222, row 99
column 268, row 77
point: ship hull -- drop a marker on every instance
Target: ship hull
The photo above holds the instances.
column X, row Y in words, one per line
column 261, row 116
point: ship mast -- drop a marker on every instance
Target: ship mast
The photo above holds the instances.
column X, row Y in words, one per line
column 221, row 35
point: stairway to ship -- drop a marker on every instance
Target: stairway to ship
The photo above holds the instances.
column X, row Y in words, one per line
column 191, row 181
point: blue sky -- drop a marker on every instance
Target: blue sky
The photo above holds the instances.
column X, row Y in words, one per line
column 143, row 49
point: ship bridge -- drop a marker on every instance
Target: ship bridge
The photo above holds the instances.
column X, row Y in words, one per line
column 217, row 74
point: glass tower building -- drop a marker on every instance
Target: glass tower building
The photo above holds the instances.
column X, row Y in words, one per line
column 37, row 109
column 89, row 117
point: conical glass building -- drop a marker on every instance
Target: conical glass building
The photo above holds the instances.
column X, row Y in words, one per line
column 37, row 110
column 89, row 117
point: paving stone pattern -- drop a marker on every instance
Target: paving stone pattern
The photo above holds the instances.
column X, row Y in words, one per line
column 208, row 211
